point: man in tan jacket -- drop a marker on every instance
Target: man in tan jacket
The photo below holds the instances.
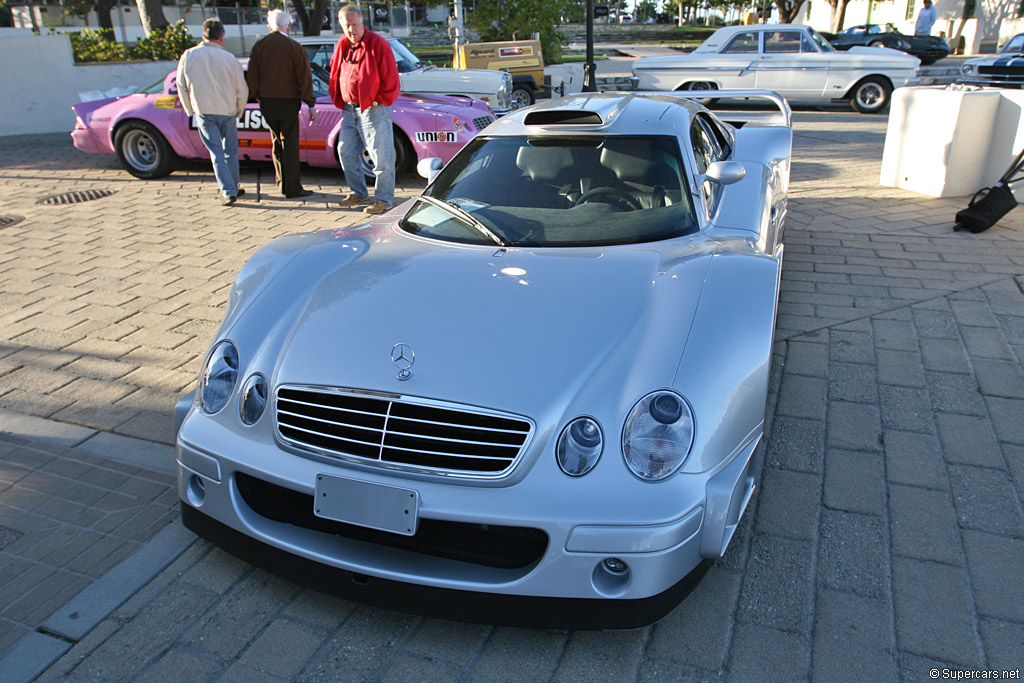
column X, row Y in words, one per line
column 280, row 79
column 212, row 87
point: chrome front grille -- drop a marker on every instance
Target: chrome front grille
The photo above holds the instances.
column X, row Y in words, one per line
column 400, row 432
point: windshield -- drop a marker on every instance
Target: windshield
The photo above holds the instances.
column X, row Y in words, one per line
column 558, row 192
column 820, row 40
column 155, row 88
column 407, row 61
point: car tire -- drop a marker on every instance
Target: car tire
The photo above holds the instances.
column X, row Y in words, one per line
column 877, row 43
column 143, row 150
column 522, row 96
column 403, row 156
column 701, row 85
column 871, row 95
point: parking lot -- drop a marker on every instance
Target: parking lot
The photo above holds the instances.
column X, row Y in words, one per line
column 886, row 541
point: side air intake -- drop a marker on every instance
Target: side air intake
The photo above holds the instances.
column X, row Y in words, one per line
column 562, row 117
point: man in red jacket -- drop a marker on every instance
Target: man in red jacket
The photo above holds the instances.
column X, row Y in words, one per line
column 364, row 83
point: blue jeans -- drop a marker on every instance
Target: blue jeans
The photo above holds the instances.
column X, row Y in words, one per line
column 220, row 135
column 368, row 130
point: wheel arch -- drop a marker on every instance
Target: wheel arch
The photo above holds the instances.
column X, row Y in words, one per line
column 181, row 146
column 857, row 83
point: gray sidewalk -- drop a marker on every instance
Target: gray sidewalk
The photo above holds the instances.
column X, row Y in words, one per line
column 887, row 538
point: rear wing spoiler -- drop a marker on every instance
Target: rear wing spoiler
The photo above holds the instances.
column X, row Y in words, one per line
column 784, row 116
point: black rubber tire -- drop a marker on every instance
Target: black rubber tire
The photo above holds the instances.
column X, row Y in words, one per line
column 522, row 96
column 871, row 95
column 144, row 151
column 701, row 85
column 877, row 43
column 403, row 156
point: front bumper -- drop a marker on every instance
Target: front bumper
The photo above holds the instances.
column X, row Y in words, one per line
column 566, row 584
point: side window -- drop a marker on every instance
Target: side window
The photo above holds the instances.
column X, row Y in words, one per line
column 806, row 44
column 721, row 150
column 704, row 153
column 742, row 42
column 782, row 42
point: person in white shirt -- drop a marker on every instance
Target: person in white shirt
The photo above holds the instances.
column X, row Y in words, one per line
column 211, row 85
column 925, row 19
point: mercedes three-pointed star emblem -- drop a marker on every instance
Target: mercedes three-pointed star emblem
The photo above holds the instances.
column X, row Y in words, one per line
column 403, row 357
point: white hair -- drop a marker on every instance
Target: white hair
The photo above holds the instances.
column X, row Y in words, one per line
column 278, row 19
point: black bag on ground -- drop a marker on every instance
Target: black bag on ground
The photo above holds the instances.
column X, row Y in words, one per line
column 981, row 214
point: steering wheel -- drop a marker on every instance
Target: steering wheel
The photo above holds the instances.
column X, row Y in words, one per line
column 619, row 198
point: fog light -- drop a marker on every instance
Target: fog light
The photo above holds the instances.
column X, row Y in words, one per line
column 195, row 490
column 615, row 565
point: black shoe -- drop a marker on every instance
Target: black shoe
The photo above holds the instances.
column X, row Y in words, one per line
column 241, row 193
column 300, row 193
column 228, row 201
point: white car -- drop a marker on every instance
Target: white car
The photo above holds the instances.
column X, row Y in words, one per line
column 535, row 394
column 794, row 61
column 1004, row 70
column 493, row 87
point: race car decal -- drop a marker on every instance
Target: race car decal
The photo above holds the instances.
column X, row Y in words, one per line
column 437, row 136
column 251, row 119
column 169, row 102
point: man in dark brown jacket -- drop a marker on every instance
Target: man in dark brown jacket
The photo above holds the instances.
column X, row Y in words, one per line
column 280, row 80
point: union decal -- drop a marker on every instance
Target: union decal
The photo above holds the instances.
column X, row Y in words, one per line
column 438, row 136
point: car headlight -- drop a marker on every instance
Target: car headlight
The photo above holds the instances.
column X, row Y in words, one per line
column 579, row 447
column 967, row 69
column 658, row 435
column 254, row 399
column 219, row 376
column 902, row 44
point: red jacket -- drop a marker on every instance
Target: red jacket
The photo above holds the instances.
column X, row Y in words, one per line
column 378, row 72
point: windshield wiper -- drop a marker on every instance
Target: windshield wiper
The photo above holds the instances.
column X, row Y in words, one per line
column 466, row 216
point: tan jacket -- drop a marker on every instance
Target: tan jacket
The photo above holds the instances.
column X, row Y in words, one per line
column 210, row 81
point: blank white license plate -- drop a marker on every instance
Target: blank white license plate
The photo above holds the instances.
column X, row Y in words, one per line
column 388, row 508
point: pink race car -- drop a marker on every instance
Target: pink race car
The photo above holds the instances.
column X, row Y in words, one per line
column 149, row 130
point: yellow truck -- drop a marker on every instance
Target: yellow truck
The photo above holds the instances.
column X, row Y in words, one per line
column 523, row 59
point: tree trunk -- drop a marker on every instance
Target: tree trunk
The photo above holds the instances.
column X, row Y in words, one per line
column 838, row 15
column 103, row 8
column 152, row 14
column 789, row 10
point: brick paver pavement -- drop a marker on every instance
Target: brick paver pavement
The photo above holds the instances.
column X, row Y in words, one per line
column 887, row 538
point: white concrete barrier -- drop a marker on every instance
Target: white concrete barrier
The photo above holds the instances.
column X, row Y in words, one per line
column 951, row 142
column 41, row 82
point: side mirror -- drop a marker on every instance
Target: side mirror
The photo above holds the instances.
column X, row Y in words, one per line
column 429, row 168
column 725, row 172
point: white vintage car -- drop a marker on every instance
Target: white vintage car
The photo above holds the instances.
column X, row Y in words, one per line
column 794, row 61
column 1004, row 70
column 535, row 394
column 493, row 87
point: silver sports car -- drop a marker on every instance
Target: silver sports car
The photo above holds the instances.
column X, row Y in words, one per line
column 532, row 395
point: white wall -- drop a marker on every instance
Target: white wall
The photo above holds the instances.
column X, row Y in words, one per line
column 38, row 96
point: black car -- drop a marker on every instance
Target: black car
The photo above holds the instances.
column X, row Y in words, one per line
column 929, row 49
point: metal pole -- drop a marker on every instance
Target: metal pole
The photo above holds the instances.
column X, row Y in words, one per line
column 241, row 26
column 590, row 69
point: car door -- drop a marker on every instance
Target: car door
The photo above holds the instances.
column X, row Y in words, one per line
column 736, row 63
column 791, row 64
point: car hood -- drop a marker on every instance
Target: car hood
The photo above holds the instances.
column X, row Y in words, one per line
column 503, row 329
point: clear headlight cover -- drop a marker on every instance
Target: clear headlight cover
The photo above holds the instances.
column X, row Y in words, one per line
column 967, row 69
column 219, row 377
column 579, row 447
column 658, row 435
column 254, row 399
